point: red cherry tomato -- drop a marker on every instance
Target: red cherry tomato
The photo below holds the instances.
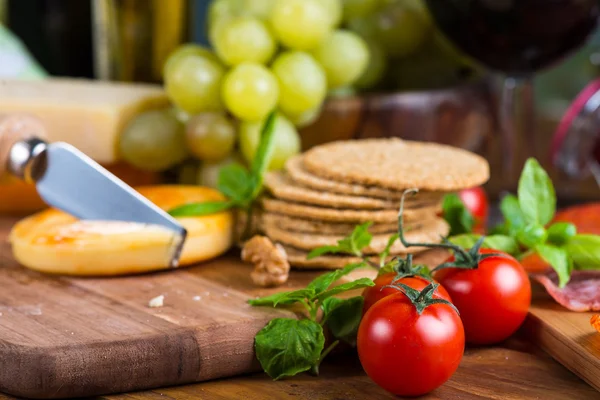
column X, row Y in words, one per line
column 406, row 353
column 374, row 293
column 476, row 201
column 493, row 299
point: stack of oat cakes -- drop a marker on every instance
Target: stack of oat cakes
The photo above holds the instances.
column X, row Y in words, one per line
column 324, row 193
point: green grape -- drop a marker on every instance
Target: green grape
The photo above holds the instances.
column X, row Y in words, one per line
column 223, row 9
column 250, row 91
column 429, row 68
column 180, row 115
column 184, row 51
column 300, row 24
column 188, row 173
column 193, row 82
column 153, row 141
column 287, row 141
column 306, row 118
column 401, row 30
column 208, row 173
column 344, row 56
column 366, row 27
column 259, row 8
column 375, row 69
column 334, row 10
column 242, row 39
column 358, row 8
column 302, row 82
column 210, row 136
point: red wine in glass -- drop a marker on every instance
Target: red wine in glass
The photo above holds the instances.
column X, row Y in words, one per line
column 518, row 38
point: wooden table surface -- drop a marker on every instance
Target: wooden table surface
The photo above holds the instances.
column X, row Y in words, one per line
column 515, row 370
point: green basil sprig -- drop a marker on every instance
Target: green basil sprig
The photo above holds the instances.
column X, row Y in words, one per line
column 288, row 346
column 457, row 215
column 526, row 219
column 239, row 184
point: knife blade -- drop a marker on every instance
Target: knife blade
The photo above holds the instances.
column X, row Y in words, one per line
column 69, row 180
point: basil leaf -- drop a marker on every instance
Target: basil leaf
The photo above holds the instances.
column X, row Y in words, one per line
column 584, row 250
column 503, row 243
column 513, row 216
column 198, row 209
column 358, row 240
column 286, row 347
column 285, row 298
column 236, row 183
column 386, row 269
column 266, row 145
column 319, row 251
column 351, row 244
column 343, row 317
column 457, row 215
column 357, row 284
column 537, row 198
column 559, row 260
column 386, row 252
column 322, row 282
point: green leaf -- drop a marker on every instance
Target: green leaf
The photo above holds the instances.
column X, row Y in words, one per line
column 386, row 252
column 584, row 250
column 537, row 198
column 357, row 284
column 514, row 219
column 322, row 282
column 351, row 244
column 358, row 240
column 457, row 215
column 343, row 317
column 496, row 242
column 286, row 347
column 236, row 183
column 198, row 209
column 386, row 269
column 264, row 152
column 558, row 258
column 319, row 251
column 284, row 298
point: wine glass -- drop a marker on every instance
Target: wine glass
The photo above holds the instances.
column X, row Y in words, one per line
column 516, row 38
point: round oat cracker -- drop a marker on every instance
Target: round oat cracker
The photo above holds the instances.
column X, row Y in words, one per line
column 397, row 164
column 297, row 259
column 296, row 171
column 346, row 215
column 282, row 187
column 329, row 228
column 430, row 233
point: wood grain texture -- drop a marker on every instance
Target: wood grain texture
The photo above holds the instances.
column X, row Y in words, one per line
column 64, row 337
column 567, row 336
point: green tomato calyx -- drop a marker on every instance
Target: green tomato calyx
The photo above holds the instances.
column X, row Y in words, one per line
column 404, row 269
column 467, row 259
column 421, row 299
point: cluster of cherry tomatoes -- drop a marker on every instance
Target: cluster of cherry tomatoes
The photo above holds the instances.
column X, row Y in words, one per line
column 410, row 350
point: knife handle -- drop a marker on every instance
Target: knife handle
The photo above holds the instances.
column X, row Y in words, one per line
column 21, row 140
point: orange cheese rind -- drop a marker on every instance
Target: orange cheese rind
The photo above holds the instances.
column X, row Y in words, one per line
column 54, row 242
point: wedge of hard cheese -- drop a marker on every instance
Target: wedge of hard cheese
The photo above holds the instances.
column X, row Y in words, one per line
column 87, row 114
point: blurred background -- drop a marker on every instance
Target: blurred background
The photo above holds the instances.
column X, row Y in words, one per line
column 444, row 71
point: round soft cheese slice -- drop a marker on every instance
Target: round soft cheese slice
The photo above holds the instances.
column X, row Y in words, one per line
column 55, row 242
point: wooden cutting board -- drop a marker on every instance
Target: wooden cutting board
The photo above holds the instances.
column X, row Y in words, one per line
column 567, row 336
column 68, row 337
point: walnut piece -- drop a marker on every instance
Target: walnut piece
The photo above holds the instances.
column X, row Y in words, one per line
column 271, row 267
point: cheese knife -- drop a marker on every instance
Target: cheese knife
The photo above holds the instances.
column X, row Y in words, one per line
column 69, row 180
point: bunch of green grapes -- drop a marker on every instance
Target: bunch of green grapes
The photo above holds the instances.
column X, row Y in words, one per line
column 264, row 55
column 407, row 51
